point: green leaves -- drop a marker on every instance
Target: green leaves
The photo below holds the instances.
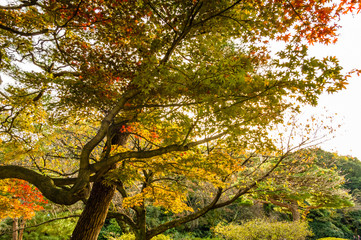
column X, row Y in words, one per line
column 174, row 72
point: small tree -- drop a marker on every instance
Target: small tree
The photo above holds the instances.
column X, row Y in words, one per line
column 19, row 201
column 299, row 185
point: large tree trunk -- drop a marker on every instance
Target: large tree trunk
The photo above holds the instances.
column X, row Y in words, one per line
column 92, row 219
column 95, row 212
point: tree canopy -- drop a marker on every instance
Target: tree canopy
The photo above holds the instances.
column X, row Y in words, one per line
column 107, row 92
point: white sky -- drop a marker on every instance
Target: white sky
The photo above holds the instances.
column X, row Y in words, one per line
column 347, row 103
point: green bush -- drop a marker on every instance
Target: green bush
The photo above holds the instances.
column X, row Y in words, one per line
column 56, row 230
column 130, row 236
column 110, row 229
column 266, row 230
column 332, row 238
column 326, row 229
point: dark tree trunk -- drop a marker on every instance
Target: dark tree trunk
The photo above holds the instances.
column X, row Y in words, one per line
column 96, row 209
column 92, row 219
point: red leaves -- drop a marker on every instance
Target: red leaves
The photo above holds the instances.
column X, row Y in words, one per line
column 28, row 199
column 126, row 129
column 154, row 135
column 127, row 104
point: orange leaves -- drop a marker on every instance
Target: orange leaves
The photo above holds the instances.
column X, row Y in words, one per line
column 284, row 38
column 127, row 104
column 19, row 199
column 314, row 21
column 354, row 71
column 350, row 8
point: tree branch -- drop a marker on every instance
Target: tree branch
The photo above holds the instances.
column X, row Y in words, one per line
column 45, row 184
column 84, row 171
column 152, row 153
column 46, row 222
column 177, row 222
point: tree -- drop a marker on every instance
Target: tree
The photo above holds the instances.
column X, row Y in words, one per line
column 19, row 201
column 345, row 222
column 349, row 166
column 191, row 71
column 299, row 185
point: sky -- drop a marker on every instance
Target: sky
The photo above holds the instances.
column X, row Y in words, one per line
column 347, row 103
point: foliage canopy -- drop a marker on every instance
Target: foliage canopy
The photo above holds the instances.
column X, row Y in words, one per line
column 113, row 91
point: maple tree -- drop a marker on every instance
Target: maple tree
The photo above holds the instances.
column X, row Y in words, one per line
column 299, row 185
column 19, row 201
column 108, row 86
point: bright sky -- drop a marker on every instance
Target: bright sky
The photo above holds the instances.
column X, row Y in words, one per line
column 347, row 103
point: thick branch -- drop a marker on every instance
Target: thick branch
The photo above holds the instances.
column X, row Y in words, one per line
column 84, row 171
column 102, row 132
column 152, row 153
column 68, row 181
column 45, row 184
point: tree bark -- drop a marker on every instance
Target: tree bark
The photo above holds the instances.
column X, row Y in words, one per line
column 96, row 209
column 21, row 231
column 93, row 217
column 141, row 230
column 292, row 207
column 15, row 229
column 296, row 216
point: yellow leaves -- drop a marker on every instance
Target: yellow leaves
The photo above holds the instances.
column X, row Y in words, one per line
column 134, row 201
column 248, row 79
column 171, row 200
column 266, row 82
column 9, row 207
column 167, row 177
column 160, row 196
column 115, row 149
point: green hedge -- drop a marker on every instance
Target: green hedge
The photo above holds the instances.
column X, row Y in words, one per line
column 332, row 238
column 262, row 229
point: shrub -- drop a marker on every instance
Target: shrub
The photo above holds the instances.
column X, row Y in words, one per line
column 130, row 236
column 262, row 229
column 326, row 229
column 332, row 238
